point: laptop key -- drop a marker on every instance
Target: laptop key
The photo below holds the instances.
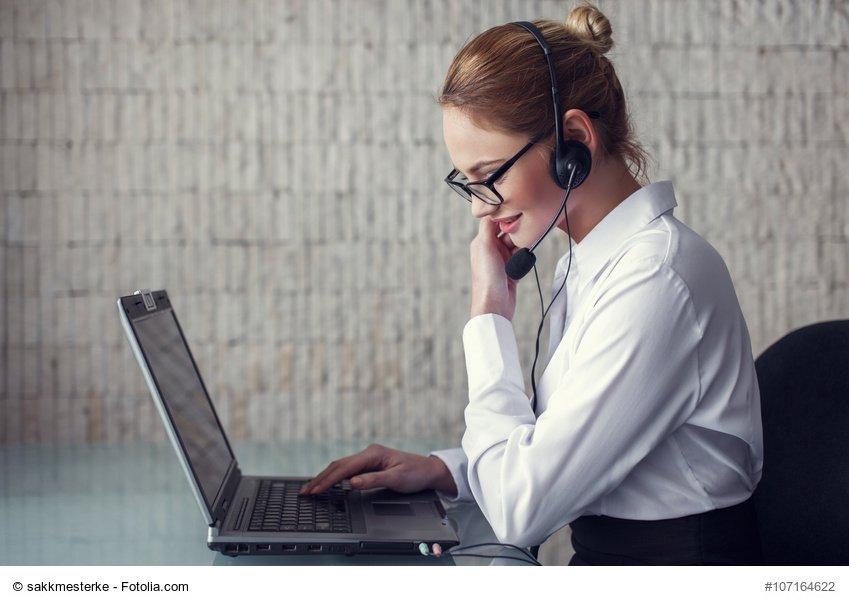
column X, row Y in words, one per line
column 305, row 527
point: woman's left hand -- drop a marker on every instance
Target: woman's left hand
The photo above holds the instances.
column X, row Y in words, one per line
column 492, row 290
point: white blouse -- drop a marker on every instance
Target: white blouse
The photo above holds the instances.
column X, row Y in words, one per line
column 649, row 406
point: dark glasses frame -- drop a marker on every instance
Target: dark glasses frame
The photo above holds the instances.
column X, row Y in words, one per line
column 464, row 187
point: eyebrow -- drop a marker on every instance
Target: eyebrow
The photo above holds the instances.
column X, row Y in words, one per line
column 477, row 167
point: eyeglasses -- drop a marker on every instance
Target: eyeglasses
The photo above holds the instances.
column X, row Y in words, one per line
column 485, row 188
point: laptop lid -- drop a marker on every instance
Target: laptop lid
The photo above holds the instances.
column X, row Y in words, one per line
column 181, row 397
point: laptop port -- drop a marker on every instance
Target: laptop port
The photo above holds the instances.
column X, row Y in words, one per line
column 244, row 548
column 290, row 547
column 387, row 547
column 314, row 548
column 231, row 548
column 263, row 547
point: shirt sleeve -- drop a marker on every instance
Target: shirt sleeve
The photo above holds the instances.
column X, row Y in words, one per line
column 633, row 378
column 457, row 463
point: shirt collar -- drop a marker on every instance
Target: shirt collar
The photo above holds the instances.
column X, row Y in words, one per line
column 627, row 218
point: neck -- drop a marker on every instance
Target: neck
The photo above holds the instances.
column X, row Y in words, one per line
column 601, row 192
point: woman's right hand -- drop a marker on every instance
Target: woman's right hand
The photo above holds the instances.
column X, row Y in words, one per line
column 379, row 466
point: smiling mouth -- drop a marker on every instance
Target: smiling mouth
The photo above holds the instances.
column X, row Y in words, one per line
column 509, row 225
column 509, row 220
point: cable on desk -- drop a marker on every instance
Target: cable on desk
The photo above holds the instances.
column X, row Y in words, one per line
column 524, row 551
column 425, row 550
column 486, row 555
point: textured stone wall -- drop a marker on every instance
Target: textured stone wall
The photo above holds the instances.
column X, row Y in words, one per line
column 277, row 167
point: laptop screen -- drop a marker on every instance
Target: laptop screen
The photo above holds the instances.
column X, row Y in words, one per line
column 184, row 396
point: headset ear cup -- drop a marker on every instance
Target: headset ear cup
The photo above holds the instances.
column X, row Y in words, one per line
column 561, row 167
column 575, row 153
column 553, row 168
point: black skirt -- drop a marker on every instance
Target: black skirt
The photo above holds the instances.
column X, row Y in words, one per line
column 721, row 536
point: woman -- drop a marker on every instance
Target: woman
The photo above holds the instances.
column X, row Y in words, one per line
column 645, row 433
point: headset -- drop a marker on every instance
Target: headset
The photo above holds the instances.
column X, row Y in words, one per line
column 571, row 162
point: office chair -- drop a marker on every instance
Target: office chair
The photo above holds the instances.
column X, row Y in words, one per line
column 802, row 500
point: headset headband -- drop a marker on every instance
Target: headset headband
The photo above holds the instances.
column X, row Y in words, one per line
column 555, row 92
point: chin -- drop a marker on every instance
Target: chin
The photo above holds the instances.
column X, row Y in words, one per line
column 511, row 240
column 517, row 240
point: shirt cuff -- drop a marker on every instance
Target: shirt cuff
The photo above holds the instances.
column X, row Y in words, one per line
column 457, row 463
column 492, row 354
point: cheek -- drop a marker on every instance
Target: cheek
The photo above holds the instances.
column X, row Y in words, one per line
column 546, row 200
column 538, row 198
column 541, row 199
column 532, row 190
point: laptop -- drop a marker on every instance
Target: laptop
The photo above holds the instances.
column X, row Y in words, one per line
column 263, row 515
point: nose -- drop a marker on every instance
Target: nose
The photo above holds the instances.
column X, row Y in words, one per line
column 481, row 209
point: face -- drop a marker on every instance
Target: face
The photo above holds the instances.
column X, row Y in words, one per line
column 527, row 187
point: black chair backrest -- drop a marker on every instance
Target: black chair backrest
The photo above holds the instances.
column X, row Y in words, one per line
column 802, row 500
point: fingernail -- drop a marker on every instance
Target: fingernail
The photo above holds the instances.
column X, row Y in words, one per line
column 356, row 481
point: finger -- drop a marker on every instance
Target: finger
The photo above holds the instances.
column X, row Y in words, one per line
column 508, row 242
column 375, row 479
column 488, row 228
column 345, row 468
column 482, row 225
column 311, row 483
column 333, row 469
column 506, row 248
column 492, row 235
column 333, row 476
column 322, row 481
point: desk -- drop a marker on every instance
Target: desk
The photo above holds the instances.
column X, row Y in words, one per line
column 130, row 504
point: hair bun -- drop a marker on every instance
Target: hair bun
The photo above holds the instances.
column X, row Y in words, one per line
column 590, row 24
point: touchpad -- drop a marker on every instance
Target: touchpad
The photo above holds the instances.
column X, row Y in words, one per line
column 392, row 509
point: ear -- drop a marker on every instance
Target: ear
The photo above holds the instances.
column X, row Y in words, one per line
column 578, row 125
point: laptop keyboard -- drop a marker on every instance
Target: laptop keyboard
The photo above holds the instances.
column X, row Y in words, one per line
column 279, row 507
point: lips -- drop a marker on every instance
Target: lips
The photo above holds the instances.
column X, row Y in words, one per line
column 510, row 224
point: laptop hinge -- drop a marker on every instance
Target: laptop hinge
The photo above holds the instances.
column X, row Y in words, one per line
column 147, row 298
column 224, row 501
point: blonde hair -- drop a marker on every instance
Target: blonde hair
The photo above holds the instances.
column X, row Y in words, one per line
column 500, row 80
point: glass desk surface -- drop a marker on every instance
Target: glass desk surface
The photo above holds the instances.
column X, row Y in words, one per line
column 130, row 504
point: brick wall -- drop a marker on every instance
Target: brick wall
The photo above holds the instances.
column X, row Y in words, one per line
column 277, row 167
